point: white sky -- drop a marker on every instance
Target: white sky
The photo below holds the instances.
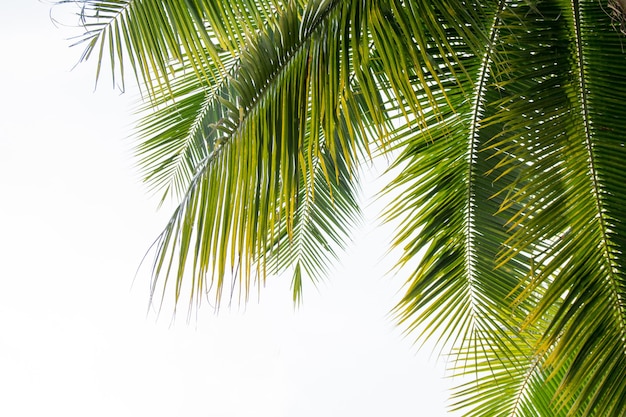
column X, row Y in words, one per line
column 74, row 224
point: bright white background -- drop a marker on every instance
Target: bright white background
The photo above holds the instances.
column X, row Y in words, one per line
column 75, row 221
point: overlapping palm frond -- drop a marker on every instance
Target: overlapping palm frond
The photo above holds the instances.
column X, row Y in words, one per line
column 265, row 149
column 518, row 166
column 573, row 201
column 506, row 116
column 452, row 220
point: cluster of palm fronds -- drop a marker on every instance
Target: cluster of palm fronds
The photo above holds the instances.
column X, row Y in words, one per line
column 506, row 124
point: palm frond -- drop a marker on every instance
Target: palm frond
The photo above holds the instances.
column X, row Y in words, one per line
column 277, row 164
column 495, row 174
column 559, row 98
column 449, row 207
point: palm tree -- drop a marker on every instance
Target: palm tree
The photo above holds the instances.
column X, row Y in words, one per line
column 503, row 118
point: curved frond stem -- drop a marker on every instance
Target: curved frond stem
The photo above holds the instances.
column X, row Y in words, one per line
column 611, row 265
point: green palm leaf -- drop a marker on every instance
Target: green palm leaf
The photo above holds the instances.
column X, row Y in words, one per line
column 289, row 176
column 566, row 226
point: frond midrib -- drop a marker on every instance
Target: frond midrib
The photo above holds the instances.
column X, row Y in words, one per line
column 473, row 136
column 525, row 383
column 616, row 296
